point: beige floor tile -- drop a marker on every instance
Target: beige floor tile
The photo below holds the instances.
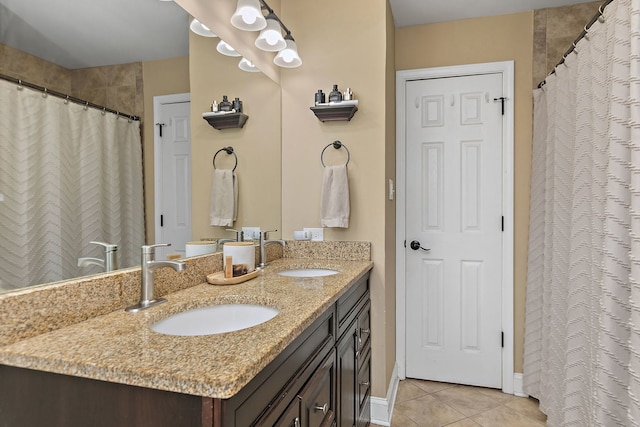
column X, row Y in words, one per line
column 503, row 416
column 467, row 400
column 407, row 390
column 399, row 420
column 467, row 422
column 498, row 395
column 427, row 411
column 528, row 407
column 430, row 386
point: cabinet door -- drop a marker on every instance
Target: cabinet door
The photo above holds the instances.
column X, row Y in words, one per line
column 319, row 395
column 363, row 390
column 291, row 416
column 346, row 371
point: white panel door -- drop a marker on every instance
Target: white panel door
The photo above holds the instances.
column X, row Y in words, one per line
column 454, row 209
column 174, row 195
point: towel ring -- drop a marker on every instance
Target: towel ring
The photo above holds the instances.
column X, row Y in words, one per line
column 337, row 145
column 228, row 150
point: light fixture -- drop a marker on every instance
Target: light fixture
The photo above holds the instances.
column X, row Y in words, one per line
column 200, row 29
column 288, row 57
column 226, row 49
column 248, row 16
column 246, row 65
column 270, row 38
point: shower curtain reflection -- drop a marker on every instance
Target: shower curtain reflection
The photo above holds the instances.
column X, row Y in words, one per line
column 68, row 175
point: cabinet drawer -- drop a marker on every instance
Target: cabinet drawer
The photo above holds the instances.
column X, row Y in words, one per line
column 290, row 417
column 364, row 332
column 318, row 396
column 270, row 392
column 349, row 304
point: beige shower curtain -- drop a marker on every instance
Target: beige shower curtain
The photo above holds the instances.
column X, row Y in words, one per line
column 582, row 338
column 68, row 175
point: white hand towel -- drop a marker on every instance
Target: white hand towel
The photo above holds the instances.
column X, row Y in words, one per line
column 224, row 197
column 334, row 201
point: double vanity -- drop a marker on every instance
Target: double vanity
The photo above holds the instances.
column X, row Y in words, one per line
column 306, row 362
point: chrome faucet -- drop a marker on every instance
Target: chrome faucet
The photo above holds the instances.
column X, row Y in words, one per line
column 148, row 266
column 110, row 261
column 239, row 237
column 263, row 247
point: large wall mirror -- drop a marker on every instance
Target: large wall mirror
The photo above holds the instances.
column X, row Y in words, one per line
column 188, row 63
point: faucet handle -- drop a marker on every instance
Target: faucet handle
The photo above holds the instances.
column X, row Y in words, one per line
column 239, row 234
column 108, row 247
column 151, row 249
column 264, row 234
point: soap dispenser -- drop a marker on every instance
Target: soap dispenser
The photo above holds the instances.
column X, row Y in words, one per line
column 335, row 95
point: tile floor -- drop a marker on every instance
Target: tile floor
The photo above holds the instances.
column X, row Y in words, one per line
column 434, row 404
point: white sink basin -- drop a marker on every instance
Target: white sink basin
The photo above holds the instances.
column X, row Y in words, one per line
column 215, row 319
column 308, row 272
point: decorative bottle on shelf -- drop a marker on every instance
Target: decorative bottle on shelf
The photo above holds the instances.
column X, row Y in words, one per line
column 224, row 105
column 320, row 99
column 237, row 105
column 214, row 106
column 335, row 95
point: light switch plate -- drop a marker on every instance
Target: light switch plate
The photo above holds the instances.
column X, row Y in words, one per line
column 317, row 234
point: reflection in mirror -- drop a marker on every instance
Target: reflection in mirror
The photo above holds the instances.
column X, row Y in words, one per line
column 120, row 87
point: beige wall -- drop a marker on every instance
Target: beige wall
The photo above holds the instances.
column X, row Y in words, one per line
column 163, row 77
column 257, row 144
column 390, row 205
column 498, row 38
column 342, row 43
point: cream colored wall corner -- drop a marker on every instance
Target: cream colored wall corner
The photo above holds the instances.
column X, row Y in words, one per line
column 162, row 77
column 496, row 38
column 341, row 43
column 390, row 205
column 257, row 144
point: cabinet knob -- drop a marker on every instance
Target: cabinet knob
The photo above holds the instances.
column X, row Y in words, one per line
column 365, row 331
column 324, row 408
column 365, row 383
column 296, row 422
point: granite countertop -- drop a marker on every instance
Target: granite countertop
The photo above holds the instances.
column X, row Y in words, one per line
column 120, row 347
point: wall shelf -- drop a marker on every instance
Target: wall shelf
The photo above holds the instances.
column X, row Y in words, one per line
column 226, row 121
column 327, row 113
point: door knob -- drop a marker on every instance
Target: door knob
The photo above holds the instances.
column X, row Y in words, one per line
column 415, row 245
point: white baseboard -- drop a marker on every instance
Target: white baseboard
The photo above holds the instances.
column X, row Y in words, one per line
column 517, row 386
column 382, row 408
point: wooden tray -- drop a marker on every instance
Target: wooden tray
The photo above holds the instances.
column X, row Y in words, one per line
column 219, row 279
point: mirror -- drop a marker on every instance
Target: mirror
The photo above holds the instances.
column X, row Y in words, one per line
column 209, row 76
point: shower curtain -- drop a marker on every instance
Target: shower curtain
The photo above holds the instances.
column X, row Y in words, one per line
column 68, row 175
column 582, row 331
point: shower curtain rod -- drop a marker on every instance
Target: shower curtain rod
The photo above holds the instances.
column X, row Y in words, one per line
column 580, row 37
column 66, row 97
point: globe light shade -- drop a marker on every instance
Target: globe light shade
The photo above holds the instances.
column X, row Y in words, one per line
column 248, row 16
column 246, row 65
column 288, row 57
column 270, row 38
column 200, row 29
column 226, row 49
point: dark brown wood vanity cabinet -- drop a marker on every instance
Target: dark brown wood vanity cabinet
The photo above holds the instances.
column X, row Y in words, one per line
column 354, row 357
column 322, row 379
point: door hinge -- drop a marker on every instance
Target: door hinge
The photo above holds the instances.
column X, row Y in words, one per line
column 161, row 220
column 501, row 99
column 502, row 223
column 502, row 339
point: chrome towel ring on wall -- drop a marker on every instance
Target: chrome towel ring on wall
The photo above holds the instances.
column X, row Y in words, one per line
column 228, row 150
column 337, row 145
